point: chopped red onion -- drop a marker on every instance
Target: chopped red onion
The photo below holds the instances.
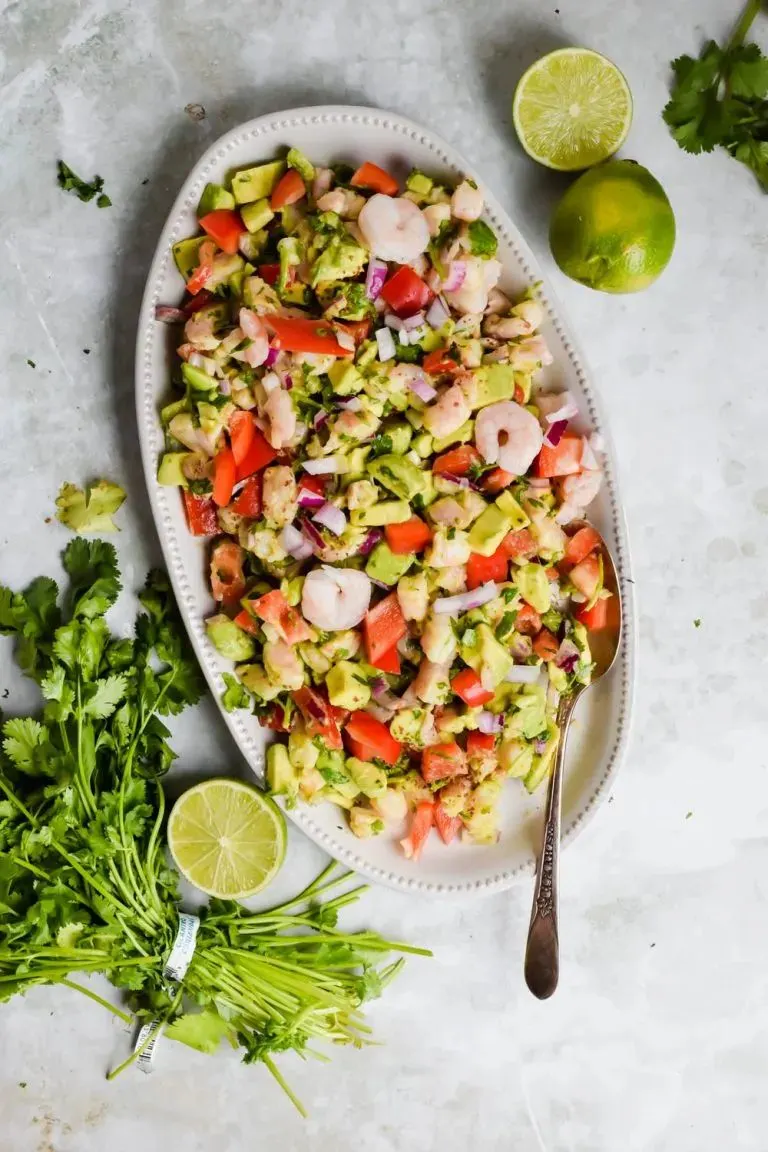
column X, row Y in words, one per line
column 288, row 381
column 404, row 337
column 382, row 694
column 523, row 674
column 557, row 406
column 567, row 512
column 310, row 499
column 437, row 313
column 385, row 343
column 344, row 339
column 433, row 280
column 167, row 314
column 423, row 390
column 537, row 482
column 370, row 541
column 521, row 648
column 374, row 278
column 225, row 386
column 466, row 601
column 380, row 306
column 490, row 723
column 319, row 418
column 312, row 535
column 415, row 321
column 327, row 466
column 272, row 355
column 567, row 656
column 555, row 433
column 353, row 404
column 331, row 518
column 457, row 273
column 380, row 584
column 540, row 746
column 393, row 321
column 378, row 712
column 295, row 543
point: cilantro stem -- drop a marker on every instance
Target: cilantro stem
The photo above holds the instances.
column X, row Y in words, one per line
column 97, row 999
column 743, row 24
column 285, row 1086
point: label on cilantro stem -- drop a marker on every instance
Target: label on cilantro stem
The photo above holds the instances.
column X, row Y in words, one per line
column 183, row 948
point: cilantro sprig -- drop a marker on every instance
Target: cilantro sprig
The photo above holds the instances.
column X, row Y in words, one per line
column 71, row 182
column 721, row 99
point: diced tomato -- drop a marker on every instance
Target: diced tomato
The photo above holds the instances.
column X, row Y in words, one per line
column 421, row 825
column 201, row 514
column 519, row 545
column 594, row 618
column 480, row 742
column 201, row 300
column 563, row 460
column 447, row 826
column 480, row 569
column 269, row 273
column 245, row 621
column 288, row 621
column 370, row 733
column 371, row 176
column 224, row 474
column 227, row 578
column 442, row 761
column 248, row 500
column 225, row 227
column 545, row 645
column 388, row 662
column 497, row 480
column 468, row 685
column 258, row 456
column 405, row 292
column 300, row 335
column 202, row 273
column 357, row 329
column 383, row 626
column 519, row 394
column 580, row 545
column 289, row 188
column 275, row 719
column 319, row 719
column 527, row 621
column 317, row 484
column 585, row 577
column 457, row 462
column 411, row 536
column 439, row 362
column 241, row 434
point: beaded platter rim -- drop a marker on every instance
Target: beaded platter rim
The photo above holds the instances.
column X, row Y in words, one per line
column 148, row 351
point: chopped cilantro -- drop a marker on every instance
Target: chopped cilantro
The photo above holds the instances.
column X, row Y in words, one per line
column 71, row 182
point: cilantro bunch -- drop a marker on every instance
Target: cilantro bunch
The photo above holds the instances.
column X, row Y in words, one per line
column 85, row 885
column 721, row 99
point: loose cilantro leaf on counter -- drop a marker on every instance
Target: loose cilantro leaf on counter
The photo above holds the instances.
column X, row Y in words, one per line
column 71, row 182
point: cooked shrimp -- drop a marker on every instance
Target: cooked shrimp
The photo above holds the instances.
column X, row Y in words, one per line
column 390, row 807
column 400, row 376
column 279, row 498
column 508, row 435
column 394, row 228
column 529, row 354
column 192, row 436
column 283, row 665
column 432, row 682
column 581, row 489
column 456, row 511
column 436, row 215
column 480, row 277
column 199, row 331
column 467, row 202
column 447, row 414
column 448, row 548
column 335, row 598
column 413, row 596
column 343, row 201
column 258, row 349
column 498, row 303
column 281, row 415
column 322, row 182
column 438, row 642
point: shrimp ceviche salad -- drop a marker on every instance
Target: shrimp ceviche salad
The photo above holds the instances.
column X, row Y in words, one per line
column 399, row 578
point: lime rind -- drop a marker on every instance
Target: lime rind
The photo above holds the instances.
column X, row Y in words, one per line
column 572, row 109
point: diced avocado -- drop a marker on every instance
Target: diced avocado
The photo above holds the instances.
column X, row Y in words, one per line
column 218, row 313
column 228, row 639
column 214, row 419
column 304, row 166
column 289, row 253
column 186, row 254
column 488, row 531
column 213, row 198
column 366, row 353
column 282, row 777
column 342, row 259
column 199, row 384
column 400, row 434
column 352, row 464
column 302, row 749
column 224, row 267
column 549, row 536
column 533, row 585
column 345, row 377
column 297, row 293
column 371, row 781
column 174, row 409
column 169, row 473
column 515, row 757
column 494, row 382
column 252, row 245
column 542, row 764
column 510, row 507
column 256, row 680
column 558, row 677
column 364, row 823
column 384, row 565
column 419, row 183
column 460, row 436
column 482, row 823
column 385, row 512
column 412, row 415
column 399, row 475
column 256, row 183
column 256, row 216
column 332, row 768
column 423, row 445
column 483, row 652
column 346, row 688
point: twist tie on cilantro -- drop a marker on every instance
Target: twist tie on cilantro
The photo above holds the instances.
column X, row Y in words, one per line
column 179, row 960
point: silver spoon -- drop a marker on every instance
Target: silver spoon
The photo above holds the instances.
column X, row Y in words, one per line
column 542, row 953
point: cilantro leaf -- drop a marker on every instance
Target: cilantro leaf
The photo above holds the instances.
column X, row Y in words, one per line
column 748, row 72
column 71, row 182
column 90, row 510
column 92, row 568
column 482, row 239
column 104, row 697
column 381, row 445
column 22, row 739
column 203, row 1031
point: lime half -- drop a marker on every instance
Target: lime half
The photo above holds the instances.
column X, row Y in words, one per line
column 572, row 109
column 227, row 838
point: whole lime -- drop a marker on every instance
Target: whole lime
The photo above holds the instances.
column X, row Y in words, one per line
column 614, row 228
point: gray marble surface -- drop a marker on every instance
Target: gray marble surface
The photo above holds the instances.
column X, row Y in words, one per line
column 658, row 1036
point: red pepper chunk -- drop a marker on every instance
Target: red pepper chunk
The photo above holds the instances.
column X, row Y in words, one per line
column 383, row 626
